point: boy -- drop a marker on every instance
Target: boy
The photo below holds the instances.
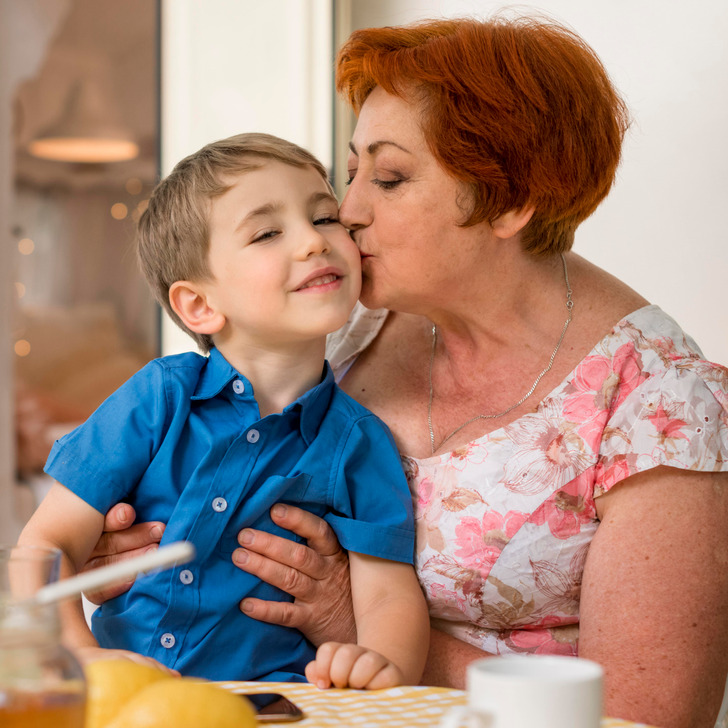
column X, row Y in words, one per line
column 242, row 245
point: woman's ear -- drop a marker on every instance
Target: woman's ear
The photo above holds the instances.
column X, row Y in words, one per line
column 512, row 222
column 189, row 301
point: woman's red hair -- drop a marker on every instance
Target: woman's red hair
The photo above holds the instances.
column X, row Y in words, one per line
column 520, row 110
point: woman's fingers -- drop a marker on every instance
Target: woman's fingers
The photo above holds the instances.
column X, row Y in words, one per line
column 274, row 558
column 318, row 534
column 117, row 545
column 119, row 517
column 120, row 541
column 289, row 579
column 315, row 574
column 287, row 614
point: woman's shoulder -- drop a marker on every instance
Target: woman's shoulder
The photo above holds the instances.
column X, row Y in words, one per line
column 660, row 341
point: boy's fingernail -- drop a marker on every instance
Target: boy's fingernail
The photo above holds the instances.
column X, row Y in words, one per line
column 246, row 537
column 240, row 557
column 153, row 547
column 280, row 510
column 156, row 532
column 246, row 606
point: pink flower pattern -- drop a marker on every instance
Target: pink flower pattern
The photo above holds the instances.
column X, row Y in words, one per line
column 504, row 523
column 481, row 541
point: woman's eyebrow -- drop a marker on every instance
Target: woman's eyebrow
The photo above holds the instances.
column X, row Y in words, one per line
column 374, row 147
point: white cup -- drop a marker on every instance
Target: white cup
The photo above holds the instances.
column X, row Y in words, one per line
column 531, row 691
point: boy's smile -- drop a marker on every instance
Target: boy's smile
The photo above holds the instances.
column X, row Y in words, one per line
column 284, row 269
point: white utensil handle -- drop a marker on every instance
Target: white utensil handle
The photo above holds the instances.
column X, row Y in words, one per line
column 173, row 554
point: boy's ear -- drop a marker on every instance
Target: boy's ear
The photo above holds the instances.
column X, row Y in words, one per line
column 512, row 222
column 189, row 301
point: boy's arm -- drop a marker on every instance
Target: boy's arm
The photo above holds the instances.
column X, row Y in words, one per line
column 66, row 522
column 393, row 629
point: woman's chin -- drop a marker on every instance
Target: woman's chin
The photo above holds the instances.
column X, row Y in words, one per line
column 369, row 298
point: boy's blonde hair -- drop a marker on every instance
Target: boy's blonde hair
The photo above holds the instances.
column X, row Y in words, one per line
column 172, row 233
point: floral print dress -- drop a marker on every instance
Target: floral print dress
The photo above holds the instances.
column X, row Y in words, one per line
column 504, row 523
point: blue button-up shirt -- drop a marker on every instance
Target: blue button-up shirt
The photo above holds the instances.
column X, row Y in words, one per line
column 183, row 442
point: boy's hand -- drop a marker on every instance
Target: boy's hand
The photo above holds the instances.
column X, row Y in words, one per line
column 347, row 665
column 90, row 654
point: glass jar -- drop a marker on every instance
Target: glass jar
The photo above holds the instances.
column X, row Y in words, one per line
column 41, row 683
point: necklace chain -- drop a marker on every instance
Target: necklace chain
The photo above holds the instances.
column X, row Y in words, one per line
column 569, row 307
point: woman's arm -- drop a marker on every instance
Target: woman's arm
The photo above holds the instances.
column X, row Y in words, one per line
column 448, row 660
column 654, row 604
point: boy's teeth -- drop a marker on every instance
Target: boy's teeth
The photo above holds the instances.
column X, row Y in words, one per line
column 320, row 281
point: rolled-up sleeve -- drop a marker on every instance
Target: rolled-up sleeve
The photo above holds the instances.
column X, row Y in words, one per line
column 372, row 506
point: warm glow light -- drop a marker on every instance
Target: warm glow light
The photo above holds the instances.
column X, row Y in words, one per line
column 20, row 289
column 83, row 149
column 22, row 347
column 133, row 186
column 119, row 211
column 26, row 246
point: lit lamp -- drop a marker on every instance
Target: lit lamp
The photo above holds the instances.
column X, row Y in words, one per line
column 88, row 130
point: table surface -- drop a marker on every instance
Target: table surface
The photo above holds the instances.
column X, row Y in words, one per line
column 402, row 707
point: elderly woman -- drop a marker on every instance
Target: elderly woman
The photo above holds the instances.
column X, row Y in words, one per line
column 565, row 442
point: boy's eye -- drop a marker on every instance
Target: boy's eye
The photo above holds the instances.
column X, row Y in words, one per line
column 326, row 220
column 266, row 235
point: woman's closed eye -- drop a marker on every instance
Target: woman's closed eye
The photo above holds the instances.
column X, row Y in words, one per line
column 387, row 184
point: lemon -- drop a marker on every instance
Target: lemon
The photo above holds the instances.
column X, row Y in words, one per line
column 111, row 683
column 185, row 703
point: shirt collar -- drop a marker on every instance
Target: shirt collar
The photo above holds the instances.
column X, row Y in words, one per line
column 312, row 405
column 215, row 376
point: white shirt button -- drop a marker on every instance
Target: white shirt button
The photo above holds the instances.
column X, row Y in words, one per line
column 219, row 504
column 167, row 640
column 186, row 576
column 238, row 386
column 253, row 435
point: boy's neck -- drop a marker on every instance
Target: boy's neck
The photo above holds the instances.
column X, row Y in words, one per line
column 278, row 376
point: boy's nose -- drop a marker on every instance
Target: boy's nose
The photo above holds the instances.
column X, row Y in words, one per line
column 315, row 243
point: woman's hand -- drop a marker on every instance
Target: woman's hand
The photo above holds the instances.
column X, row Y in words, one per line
column 120, row 541
column 316, row 575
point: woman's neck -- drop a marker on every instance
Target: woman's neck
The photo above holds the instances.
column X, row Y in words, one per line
column 518, row 303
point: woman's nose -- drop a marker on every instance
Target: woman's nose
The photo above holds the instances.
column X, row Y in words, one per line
column 352, row 211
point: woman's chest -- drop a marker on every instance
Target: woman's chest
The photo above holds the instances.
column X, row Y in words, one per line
column 497, row 549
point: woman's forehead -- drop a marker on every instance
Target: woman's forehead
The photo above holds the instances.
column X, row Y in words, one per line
column 386, row 119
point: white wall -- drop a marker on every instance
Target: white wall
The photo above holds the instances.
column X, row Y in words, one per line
column 663, row 227
column 231, row 65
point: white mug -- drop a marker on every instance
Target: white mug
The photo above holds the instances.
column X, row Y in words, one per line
column 531, row 691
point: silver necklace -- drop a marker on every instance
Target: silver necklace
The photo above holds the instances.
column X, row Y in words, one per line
column 569, row 307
